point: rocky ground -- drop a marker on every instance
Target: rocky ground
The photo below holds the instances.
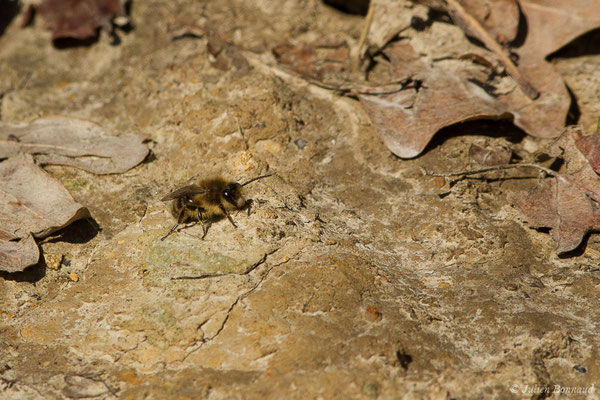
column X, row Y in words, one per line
column 355, row 276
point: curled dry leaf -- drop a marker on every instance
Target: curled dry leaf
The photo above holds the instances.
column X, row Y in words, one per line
column 75, row 142
column 471, row 26
column 448, row 89
column 499, row 17
column 444, row 94
column 79, row 19
column 447, row 79
column 407, row 121
column 569, row 204
column 391, row 17
column 32, row 203
column 15, row 255
column 589, row 147
column 551, row 24
column 578, row 165
column 449, row 92
column 564, row 208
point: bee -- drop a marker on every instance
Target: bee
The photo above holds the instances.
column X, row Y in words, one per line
column 208, row 201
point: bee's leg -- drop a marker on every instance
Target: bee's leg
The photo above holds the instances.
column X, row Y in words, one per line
column 201, row 220
column 179, row 221
column 171, row 231
column 249, row 205
column 227, row 215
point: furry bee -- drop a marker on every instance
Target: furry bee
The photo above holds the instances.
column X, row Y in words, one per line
column 208, row 201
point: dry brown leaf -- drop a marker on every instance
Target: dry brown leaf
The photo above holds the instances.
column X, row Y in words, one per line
column 471, row 26
column 450, row 80
column 552, row 24
column 450, row 92
column 391, row 17
column 32, row 203
column 577, row 165
column 562, row 207
column 570, row 204
column 318, row 60
column 79, row 19
column 16, row 255
column 499, row 17
column 589, row 147
column 75, row 142
column 447, row 92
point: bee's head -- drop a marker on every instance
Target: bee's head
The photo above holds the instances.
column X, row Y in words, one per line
column 233, row 195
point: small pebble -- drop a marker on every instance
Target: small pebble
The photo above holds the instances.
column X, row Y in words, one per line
column 580, row 368
column 300, row 143
column 53, row 261
column 73, row 276
column 439, row 182
column 373, row 314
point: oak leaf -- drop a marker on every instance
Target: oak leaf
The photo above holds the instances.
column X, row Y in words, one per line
column 32, row 204
column 569, row 204
column 79, row 19
column 446, row 79
column 75, row 142
column 408, row 121
column 564, row 208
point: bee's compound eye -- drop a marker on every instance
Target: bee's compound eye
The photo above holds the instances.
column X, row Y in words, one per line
column 230, row 192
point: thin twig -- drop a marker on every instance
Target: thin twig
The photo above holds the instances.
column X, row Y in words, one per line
column 492, row 168
column 463, row 18
column 591, row 194
column 365, row 31
column 375, row 90
column 204, row 276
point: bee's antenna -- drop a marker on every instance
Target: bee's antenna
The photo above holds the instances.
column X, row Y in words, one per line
column 255, row 179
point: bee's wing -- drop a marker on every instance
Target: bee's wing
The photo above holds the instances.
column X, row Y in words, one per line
column 184, row 191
